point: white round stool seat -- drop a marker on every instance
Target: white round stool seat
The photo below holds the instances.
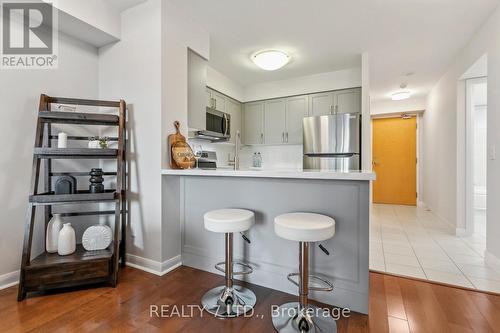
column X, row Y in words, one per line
column 229, row 220
column 304, row 227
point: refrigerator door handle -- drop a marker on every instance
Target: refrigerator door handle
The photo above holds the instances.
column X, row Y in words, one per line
column 330, row 155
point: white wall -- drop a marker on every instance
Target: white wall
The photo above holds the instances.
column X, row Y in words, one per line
column 19, row 96
column 218, row 81
column 179, row 33
column 131, row 69
column 440, row 139
column 347, row 78
column 389, row 106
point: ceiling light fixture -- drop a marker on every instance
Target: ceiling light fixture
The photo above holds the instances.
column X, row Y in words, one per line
column 400, row 95
column 270, row 60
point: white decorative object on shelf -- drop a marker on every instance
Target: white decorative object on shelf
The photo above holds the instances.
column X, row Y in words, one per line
column 93, row 143
column 67, row 240
column 97, row 237
column 53, row 227
column 62, row 140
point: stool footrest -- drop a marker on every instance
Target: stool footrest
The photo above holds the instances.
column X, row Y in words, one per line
column 326, row 285
column 246, row 268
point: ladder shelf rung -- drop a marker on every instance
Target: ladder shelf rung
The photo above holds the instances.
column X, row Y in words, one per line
column 79, row 197
column 75, row 153
column 59, row 117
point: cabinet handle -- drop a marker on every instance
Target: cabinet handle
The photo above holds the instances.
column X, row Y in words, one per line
column 336, row 109
column 331, row 108
column 282, row 137
column 286, row 137
column 261, row 137
column 215, row 101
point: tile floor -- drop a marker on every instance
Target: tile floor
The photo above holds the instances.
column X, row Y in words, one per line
column 414, row 242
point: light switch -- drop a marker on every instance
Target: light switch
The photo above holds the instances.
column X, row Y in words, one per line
column 492, row 153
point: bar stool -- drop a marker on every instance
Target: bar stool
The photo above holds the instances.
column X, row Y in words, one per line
column 301, row 316
column 229, row 300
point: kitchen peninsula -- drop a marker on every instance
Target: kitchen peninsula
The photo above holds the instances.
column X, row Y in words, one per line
column 341, row 195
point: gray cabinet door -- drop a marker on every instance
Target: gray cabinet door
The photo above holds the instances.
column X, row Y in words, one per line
column 219, row 100
column 253, row 122
column 348, row 101
column 321, row 104
column 197, row 81
column 234, row 109
column 274, row 121
column 209, row 99
column 296, row 110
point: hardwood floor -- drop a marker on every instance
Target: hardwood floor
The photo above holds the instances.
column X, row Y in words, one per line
column 396, row 305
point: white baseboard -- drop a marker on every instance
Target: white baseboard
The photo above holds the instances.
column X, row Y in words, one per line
column 421, row 204
column 491, row 259
column 9, row 279
column 152, row 266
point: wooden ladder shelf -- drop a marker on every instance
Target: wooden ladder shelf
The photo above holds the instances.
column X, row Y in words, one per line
column 51, row 271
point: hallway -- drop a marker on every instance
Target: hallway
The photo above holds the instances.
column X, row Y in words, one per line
column 411, row 241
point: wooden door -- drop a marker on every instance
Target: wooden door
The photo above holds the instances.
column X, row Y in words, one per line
column 253, row 121
column 395, row 161
column 274, row 121
column 296, row 110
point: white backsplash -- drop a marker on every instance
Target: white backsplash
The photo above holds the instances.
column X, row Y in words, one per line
column 273, row 157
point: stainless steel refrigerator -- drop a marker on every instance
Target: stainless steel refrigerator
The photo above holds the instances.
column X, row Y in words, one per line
column 332, row 142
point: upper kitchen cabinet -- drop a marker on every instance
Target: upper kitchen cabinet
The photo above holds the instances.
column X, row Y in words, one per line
column 253, row 123
column 274, row 121
column 233, row 108
column 296, row 110
column 340, row 101
column 197, row 95
column 219, row 101
column 321, row 104
column 348, row 101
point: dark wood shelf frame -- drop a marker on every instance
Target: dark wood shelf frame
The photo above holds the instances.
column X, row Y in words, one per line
column 50, row 271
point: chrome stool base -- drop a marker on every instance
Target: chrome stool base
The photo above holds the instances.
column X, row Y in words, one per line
column 289, row 319
column 224, row 302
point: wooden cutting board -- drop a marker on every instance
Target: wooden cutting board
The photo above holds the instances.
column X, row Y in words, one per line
column 181, row 154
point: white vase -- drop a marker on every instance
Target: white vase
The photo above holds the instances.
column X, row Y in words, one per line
column 97, row 237
column 62, row 140
column 67, row 240
column 52, row 237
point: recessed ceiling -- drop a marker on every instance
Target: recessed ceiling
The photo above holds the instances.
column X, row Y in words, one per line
column 420, row 36
column 121, row 5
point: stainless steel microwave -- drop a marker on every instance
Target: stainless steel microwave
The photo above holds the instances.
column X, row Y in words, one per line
column 218, row 126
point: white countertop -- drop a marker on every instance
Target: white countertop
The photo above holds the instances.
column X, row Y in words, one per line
column 283, row 173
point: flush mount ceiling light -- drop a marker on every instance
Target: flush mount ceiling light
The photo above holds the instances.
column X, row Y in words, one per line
column 400, row 95
column 270, row 60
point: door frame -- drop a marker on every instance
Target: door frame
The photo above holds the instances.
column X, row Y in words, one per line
column 468, row 180
column 418, row 114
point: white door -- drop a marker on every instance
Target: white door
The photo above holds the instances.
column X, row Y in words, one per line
column 234, row 109
column 253, row 118
column 321, row 104
column 274, row 121
column 348, row 101
column 220, row 101
column 296, row 110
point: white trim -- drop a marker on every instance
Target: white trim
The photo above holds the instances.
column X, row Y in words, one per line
column 9, row 279
column 152, row 266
